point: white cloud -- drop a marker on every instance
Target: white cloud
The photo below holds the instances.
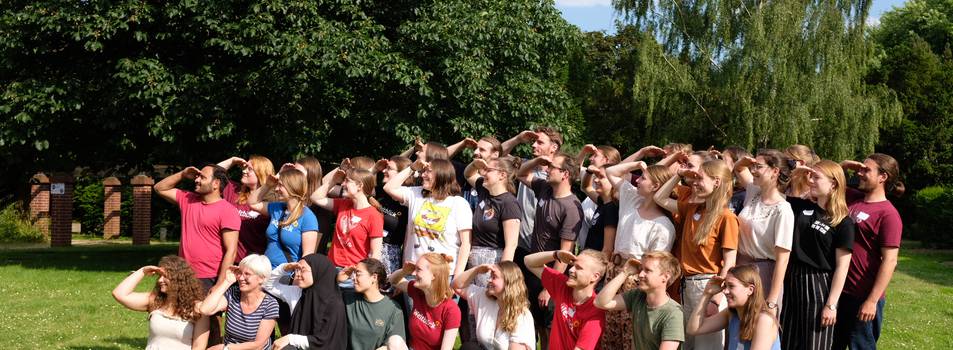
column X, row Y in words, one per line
column 583, row 3
column 873, row 21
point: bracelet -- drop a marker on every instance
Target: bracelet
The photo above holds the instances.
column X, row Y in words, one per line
column 556, row 255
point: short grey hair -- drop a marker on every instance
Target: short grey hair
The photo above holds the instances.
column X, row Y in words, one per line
column 259, row 264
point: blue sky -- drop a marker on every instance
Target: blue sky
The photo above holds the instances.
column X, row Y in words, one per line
column 593, row 15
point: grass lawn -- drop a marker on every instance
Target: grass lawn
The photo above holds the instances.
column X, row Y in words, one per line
column 59, row 298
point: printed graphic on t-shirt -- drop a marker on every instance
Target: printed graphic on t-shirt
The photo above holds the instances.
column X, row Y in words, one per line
column 568, row 314
column 488, row 214
column 289, row 228
column 347, row 223
column 431, row 221
column 820, row 227
column 248, row 214
column 432, row 324
column 860, row 217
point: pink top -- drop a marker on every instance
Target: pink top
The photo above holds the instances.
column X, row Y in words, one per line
column 202, row 224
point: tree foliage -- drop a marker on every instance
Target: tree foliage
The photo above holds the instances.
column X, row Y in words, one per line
column 914, row 42
column 133, row 83
column 755, row 73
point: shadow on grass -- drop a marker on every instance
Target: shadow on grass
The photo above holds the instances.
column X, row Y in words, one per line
column 927, row 265
column 129, row 342
column 88, row 258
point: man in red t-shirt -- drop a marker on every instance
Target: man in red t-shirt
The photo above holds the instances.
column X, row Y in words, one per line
column 874, row 256
column 209, row 223
column 577, row 322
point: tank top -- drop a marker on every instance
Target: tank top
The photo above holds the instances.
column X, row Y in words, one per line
column 734, row 333
column 166, row 332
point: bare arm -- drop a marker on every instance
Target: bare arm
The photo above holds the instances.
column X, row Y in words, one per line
column 646, row 151
column 464, row 253
column 523, row 137
column 230, row 241
column 166, row 187
column 255, row 201
column 457, row 147
column 730, row 256
column 742, row 171
column 782, row 256
column 608, row 239
column 828, row 316
column 309, row 242
column 472, row 172
column 609, row 298
column 449, row 339
column 125, row 293
column 396, row 279
column 669, row 345
column 869, row 309
column 200, row 332
column 662, row 196
column 525, row 174
column 230, row 162
column 696, row 323
column 766, row 331
column 265, row 329
column 394, row 187
column 536, row 262
column 215, row 301
column 511, row 232
column 320, row 195
column 465, row 278
column 377, row 247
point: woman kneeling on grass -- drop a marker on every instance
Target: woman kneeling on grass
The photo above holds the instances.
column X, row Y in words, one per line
column 250, row 313
column 750, row 324
column 175, row 321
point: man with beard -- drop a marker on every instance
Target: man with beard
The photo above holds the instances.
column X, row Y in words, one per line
column 874, row 256
column 210, row 224
column 576, row 322
column 658, row 321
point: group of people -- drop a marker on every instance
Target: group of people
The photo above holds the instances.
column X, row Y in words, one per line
column 708, row 249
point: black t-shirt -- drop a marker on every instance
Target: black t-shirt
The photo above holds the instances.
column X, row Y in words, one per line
column 815, row 240
column 737, row 201
column 556, row 218
column 395, row 218
column 607, row 214
column 489, row 215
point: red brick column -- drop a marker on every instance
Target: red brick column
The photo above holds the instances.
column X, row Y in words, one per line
column 40, row 202
column 141, row 209
column 111, row 207
column 61, row 210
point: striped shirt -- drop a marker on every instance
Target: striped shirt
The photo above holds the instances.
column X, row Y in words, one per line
column 241, row 327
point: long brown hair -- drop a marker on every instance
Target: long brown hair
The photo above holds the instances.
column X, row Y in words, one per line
column 836, row 206
column 777, row 160
column 611, row 153
column 368, row 181
column 436, row 151
column 888, row 166
column 440, row 286
column 183, row 290
column 748, row 274
column 263, row 169
column 444, row 179
column 295, row 184
column 313, row 167
column 513, row 301
column 717, row 201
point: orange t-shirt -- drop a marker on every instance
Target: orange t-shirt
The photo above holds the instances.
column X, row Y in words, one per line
column 707, row 258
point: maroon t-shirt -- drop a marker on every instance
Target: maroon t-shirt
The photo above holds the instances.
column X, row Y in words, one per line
column 878, row 226
column 427, row 324
column 251, row 235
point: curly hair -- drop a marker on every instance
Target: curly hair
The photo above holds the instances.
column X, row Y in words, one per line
column 183, row 290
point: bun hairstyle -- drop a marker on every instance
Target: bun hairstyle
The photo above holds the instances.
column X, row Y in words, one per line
column 777, row 160
column 889, row 166
column 376, row 267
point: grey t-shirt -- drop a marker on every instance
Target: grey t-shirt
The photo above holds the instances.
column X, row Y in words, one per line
column 556, row 218
column 527, row 200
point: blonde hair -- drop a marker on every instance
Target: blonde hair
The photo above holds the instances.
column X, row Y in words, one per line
column 513, row 301
column 440, row 286
column 658, row 174
column 748, row 274
column 263, row 169
column 667, row 263
column 363, row 162
column 611, row 153
column 717, row 202
column 836, row 206
column 599, row 257
column 507, row 165
column 802, row 153
column 297, row 186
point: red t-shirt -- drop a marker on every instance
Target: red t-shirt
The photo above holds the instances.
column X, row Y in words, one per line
column 251, row 236
column 878, row 226
column 202, row 224
column 353, row 232
column 573, row 325
column 427, row 324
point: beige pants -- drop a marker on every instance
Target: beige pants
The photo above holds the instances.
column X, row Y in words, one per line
column 693, row 288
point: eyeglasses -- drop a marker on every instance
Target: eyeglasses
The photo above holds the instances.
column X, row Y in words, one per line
column 758, row 166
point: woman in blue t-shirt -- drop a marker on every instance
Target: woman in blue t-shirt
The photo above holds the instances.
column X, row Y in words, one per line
column 293, row 228
column 750, row 324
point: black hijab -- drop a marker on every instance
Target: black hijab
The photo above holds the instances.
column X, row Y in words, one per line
column 320, row 313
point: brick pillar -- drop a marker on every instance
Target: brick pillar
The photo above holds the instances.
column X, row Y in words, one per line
column 61, row 210
column 111, row 207
column 40, row 202
column 141, row 209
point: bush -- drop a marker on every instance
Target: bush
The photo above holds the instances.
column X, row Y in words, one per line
column 933, row 216
column 15, row 226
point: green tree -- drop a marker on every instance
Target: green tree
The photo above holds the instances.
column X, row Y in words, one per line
column 755, row 73
column 127, row 84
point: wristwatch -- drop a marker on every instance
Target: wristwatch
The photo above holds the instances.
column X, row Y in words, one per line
column 831, row 307
column 772, row 305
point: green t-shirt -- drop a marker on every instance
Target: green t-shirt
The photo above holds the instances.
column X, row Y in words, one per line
column 371, row 324
column 653, row 326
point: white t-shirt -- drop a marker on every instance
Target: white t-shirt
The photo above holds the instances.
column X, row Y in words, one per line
column 487, row 311
column 762, row 227
column 588, row 212
column 635, row 235
column 433, row 226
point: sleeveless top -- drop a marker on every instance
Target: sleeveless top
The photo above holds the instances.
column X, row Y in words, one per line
column 167, row 332
column 734, row 332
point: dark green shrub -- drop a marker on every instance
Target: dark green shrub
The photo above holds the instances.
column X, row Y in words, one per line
column 932, row 217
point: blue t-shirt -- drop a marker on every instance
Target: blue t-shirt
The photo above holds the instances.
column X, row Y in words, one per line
column 290, row 235
column 734, row 333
